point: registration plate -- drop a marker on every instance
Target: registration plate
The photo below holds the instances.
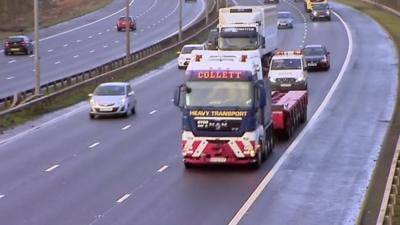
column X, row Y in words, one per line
column 14, row 49
column 217, row 159
column 108, row 109
column 286, row 85
column 312, row 64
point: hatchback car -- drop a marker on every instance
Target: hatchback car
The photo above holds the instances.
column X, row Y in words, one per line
column 271, row 1
column 212, row 40
column 285, row 20
column 317, row 57
column 114, row 98
column 121, row 23
column 320, row 11
column 185, row 55
column 18, row 44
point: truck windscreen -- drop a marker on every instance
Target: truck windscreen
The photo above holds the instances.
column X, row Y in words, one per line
column 240, row 40
column 219, row 94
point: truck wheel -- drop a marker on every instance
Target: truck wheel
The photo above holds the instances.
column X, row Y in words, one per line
column 257, row 164
column 303, row 118
column 187, row 165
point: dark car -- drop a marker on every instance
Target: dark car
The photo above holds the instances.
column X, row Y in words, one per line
column 317, row 57
column 285, row 19
column 212, row 40
column 271, row 1
column 18, row 44
column 320, row 11
column 121, row 23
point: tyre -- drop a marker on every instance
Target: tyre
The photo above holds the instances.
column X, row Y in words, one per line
column 257, row 164
column 303, row 117
column 91, row 116
column 118, row 29
column 187, row 165
column 133, row 110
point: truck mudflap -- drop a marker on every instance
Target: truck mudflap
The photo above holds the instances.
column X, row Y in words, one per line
column 224, row 150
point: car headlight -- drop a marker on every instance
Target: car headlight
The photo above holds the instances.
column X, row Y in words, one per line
column 324, row 59
column 123, row 100
column 91, row 101
column 314, row 13
column 271, row 79
column 328, row 12
column 300, row 79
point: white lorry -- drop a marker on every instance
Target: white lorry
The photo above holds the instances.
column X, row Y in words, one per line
column 248, row 28
column 288, row 71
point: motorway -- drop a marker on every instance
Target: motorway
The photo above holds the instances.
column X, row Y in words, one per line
column 92, row 40
column 73, row 170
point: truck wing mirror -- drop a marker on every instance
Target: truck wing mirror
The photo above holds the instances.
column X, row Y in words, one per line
column 263, row 42
column 178, row 94
column 262, row 98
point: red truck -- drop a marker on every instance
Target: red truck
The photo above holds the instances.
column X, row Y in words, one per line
column 289, row 110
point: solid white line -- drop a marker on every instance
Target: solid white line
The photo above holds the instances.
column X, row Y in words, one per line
column 162, row 169
column 52, row 168
column 94, row 145
column 86, row 25
column 11, row 77
column 12, row 61
column 2, row 196
column 152, row 112
column 126, row 127
column 123, row 198
column 250, row 201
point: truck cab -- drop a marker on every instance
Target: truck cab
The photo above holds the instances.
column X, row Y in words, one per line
column 308, row 4
column 226, row 107
column 288, row 71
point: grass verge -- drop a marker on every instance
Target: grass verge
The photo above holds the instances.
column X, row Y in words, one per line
column 52, row 15
column 19, row 118
column 391, row 23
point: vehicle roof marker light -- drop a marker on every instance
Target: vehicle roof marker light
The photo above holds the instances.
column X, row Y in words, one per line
column 198, row 58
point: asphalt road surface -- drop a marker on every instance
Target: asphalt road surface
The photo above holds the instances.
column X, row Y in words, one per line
column 73, row 170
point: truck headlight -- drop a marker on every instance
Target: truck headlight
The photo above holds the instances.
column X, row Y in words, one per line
column 314, row 13
column 328, row 12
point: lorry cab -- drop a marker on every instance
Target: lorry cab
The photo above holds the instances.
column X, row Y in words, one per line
column 288, row 71
column 308, row 4
column 226, row 107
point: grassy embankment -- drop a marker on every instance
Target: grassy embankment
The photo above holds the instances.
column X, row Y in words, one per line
column 391, row 23
column 17, row 17
column 21, row 117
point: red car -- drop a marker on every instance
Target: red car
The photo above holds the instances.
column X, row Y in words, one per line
column 121, row 23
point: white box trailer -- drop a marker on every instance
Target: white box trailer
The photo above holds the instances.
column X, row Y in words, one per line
column 248, row 28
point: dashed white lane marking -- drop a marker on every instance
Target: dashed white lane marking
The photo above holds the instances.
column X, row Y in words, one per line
column 100, row 33
column 91, row 51
column 162, row 168
column 78, row 41
column 94, row 145
column 2, row 50
column 116, row 42
column 90, row 37
column 58, row 62
column 12, row 61
column 152, row 112
column 31, row 56
column 108, row 30
column 105, row 46
column 11, row 77
column 66, row 45
column 123, row 198
column 76, row 56
column 50, row 50
column 2, row 196
column 126, row 127
column 52, row 168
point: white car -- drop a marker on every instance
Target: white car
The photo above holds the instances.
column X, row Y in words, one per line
column 185, row 55
column 114, row 98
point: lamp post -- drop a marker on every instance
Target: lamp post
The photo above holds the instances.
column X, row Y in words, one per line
column 37, row 53
column 128, row 34
column 180, row 20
